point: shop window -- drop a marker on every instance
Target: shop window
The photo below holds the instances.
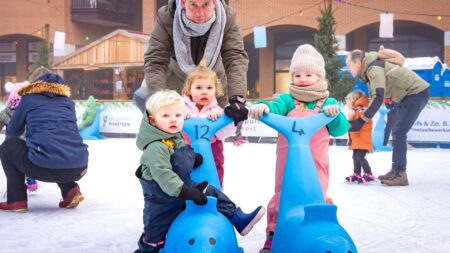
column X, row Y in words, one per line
column 134, row 81
column 282, row 77
column 76, row 82
column 102, row 83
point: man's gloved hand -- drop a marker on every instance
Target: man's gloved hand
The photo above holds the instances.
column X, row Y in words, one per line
column 356, row 125
column 192, row 193
column 236, row 109
column 203, row 186
column 198, row 160
column 257, row 111
column 138, row 172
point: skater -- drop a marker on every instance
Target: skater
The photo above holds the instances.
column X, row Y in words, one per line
column 404, row 87
column 52, row 151
column 200, row 91
column 308, row 95
column 361, row 141
column 164, row 174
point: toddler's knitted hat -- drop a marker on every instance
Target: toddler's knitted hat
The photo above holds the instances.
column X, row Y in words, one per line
column 306, row 58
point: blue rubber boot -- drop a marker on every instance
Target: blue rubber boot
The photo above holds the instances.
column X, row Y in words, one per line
column 244, row 222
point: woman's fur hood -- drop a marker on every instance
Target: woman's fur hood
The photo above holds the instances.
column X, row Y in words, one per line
column 39, row 87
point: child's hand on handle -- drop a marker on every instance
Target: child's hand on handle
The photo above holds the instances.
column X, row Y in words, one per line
column 331, row 110
column 258, row 110
column 194, row 194
column 214, row 116
column 187, row 115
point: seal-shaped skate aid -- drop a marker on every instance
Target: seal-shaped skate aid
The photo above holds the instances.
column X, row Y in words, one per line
column 305, row 223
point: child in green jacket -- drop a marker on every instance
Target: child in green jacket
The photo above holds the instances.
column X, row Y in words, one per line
column 164, row 173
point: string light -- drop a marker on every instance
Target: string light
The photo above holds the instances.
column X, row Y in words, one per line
column 396, row 12
column 297, row 12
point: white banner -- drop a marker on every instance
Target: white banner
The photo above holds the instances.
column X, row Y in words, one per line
column 59, row 43
column 433, row 124
column 116, row 120
column 386, row 25
column 255, row 128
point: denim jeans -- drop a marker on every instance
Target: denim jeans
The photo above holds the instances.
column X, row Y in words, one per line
column 408, row 112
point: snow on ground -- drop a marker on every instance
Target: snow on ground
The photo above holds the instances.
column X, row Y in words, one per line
column 378, row 218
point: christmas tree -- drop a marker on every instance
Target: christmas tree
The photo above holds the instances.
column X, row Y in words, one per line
column 325, row 42
column 43, row 56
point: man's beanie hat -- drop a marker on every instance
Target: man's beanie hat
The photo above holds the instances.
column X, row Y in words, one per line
column 306, row 58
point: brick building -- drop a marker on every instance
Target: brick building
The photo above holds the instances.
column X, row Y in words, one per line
column 421, row 28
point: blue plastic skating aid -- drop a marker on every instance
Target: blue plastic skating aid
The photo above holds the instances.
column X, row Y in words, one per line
column 378, row 132
column 201, row 229
column 305, row 223
column 201, row 131
column 92, row 132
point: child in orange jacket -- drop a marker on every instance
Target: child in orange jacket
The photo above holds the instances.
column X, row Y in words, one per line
column 361, row 141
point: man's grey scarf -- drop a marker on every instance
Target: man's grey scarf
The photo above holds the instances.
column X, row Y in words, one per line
column 184, row 29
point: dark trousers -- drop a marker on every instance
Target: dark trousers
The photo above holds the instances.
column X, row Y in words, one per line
column 16, row 164
column 359, row 160
column 408, row 112
column 160, row 210
column 219, row 159
column 392, row 114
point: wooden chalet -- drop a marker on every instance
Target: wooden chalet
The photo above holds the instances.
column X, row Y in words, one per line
column 111, row 67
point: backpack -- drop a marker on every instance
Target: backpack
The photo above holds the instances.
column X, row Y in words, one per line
column 387, row 55
column 390, row 56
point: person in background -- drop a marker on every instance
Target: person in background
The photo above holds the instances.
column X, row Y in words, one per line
column 404, row 87
column 53, row 150
column 361, row 141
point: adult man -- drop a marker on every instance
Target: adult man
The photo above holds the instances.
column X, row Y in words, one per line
column 402, row 86
column 187, row 31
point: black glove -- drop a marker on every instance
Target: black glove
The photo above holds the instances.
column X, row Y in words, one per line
column 192, row 193
column 138, row 172
column 202, row 186
column 356, row 125
column 236, row 109
column 198, row 160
